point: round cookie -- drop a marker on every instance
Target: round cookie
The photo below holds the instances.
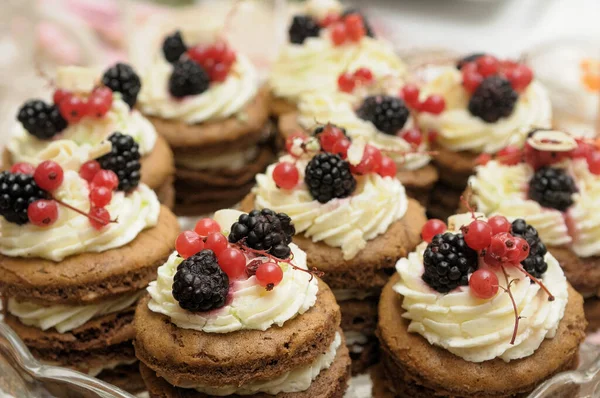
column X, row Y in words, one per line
column 416, row 369
column 591, row 307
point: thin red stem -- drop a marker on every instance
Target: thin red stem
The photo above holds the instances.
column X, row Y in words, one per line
column 68, row 206
column 539, row 282
column 512, row 299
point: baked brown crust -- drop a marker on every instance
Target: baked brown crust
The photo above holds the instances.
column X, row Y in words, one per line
column 373, row 265
column 91, row 277
column 359, row 315
column 185, row 356
column 126, row 377
column 411, row 361
column 280, row 106
column 591, row 307
column 158, row 166
column 455, row 168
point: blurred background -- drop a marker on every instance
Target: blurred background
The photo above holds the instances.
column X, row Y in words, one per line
column 559, row 38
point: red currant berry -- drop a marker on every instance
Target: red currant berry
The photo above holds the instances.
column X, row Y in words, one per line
column 188, row 243
column 23, row 168
column 490, row 259
column 285, row 175
column 219, row 72
column 100, row 101
column 338, row 33
column 59, row 95
column 387, row 167
column 432, row 136
column 582, row 151
column 483, row 284
column 346, row 82
column 355, row 27
column 434, row 104
column 471, row 80
column 519, row 77
column 478, row 235
column 329, row 136
column 520, row 251
column 510, row 155
column 593, row 161
column 198, row 54
column 42, row 213
column 229, row 57
column 289, row 142
column 269, row 274
column 432, row 228
column 100, row 196
column 412, row 136
column 48, row 175
column 370, row 162
column 204, row 226
column 537, row 159
column 99, row 217
column 106, row 178
column 216, row 241
column 233, row 262
column 497, row 246
column 329, row 19
column 410, row 93
column 487, row 65
column 88, row 170
column 341, row 147
column 73, row 108
column 469, row 67
column 499, row 224
column 363, row 75
column 483, row 159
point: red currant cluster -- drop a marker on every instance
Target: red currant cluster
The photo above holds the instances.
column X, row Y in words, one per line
column 74, row 107
column 216, row 59
column 347, row 81
column 230, row 256
column 536, row 158
column 102, row 184
column 473, row 73
column 345, row 28
column 434, row 104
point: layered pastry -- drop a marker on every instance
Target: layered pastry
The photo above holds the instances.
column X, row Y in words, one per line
column 554, row 183
column 489, row 104
column 76, row 252
column 352, row 222
column 463, row 317
column 324, row 41
column 235, row 311
column 87, row 108
column 205, row 100
column 382, row 110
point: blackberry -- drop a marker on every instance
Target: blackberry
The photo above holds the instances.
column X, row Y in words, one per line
column 448, row 262
column 493, row 99
column 469, row 58
column 552, row 187
column 173, row 47
column 187, row 78
column 200, row 284
column 40, row 119
column 124, row 160
column 389, row 114
column 368, row 28
column 328, row 176
column 123, row 79
column 17, row 192
column 265, row 230
column 302, row 27
column 535, row 263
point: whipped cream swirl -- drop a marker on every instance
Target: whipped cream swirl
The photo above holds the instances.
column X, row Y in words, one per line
column 347, row 223
column 316, row 64
column 67, row 317
column 250, row 305
column 87, row 133
column 339, row 108
column 502, row 189
column 219, row 101
column 480, row 330
column 72, row 232
column 459, row 130
column 296, row 380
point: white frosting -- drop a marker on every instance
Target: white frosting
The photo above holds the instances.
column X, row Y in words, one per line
column 480, row 330
column 501, row 189
column 72, row 232
column 339, row 108
column 347, row 223
column 231, row 161
column 87, row 134
column 220, row 101
column 296, row 380
column 459, row 130
column 316, row 64
column 250, row 305
column 66, row 317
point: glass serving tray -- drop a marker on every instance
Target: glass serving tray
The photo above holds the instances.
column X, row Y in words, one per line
column 21, row 375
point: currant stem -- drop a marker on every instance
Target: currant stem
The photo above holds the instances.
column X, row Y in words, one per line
column 68, row 206
column 512, row 299
column 536, row 280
